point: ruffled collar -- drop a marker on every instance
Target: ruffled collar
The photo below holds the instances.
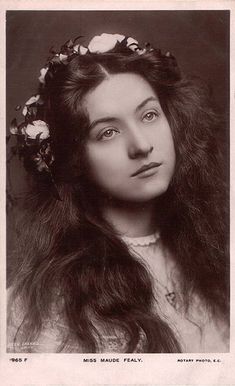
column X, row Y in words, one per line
column 142, row 241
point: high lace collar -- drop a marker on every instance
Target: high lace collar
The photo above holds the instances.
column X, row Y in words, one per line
column 142, row 241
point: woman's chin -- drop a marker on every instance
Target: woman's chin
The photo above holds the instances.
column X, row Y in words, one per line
column 141, row 196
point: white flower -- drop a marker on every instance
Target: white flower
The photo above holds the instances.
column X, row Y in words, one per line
column 75, row 48
column 43, row 72
column 35, row 128
column 131, row 43
column 25, row 110
column 32, row 100
column 83, row 50
column 63, row 58
column 104, row 42
column 80, row 49
column 141, row 52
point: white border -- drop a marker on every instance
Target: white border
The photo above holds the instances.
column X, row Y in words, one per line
column 155, row 369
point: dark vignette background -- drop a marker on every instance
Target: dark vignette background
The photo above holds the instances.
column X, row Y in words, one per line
column 198, row 39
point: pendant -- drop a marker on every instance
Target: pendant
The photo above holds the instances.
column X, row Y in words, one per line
column 171, row 298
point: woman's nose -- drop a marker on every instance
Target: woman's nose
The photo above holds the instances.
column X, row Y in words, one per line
column 138, row 146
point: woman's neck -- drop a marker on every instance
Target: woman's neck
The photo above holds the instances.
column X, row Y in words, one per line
column 131, row 219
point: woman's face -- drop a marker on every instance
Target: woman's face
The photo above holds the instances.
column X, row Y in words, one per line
column 130, row 149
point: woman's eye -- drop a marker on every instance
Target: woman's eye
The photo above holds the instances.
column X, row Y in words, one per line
column 108, row 134
column 150, row 116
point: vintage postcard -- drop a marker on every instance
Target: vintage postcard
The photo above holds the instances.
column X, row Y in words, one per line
column 117, row 193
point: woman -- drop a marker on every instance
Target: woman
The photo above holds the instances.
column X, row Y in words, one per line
column 123, row 245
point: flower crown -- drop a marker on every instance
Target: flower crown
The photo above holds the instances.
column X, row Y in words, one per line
column 33, row 134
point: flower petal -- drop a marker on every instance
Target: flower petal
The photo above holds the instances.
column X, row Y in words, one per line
column 83, row 50
column 63, row 58
column 38, row 129
column 119, row 37
column 141, row 52
column 25, row 110
column 43, row 72
column 131, row 41
column 104, row 42
column 75, row 48
column 32, row 100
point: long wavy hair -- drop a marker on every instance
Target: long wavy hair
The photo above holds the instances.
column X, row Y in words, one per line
column 68, row 251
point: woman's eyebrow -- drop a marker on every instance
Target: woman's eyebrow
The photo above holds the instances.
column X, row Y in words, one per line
column 102, row 120
column 142, row 104
column 113, row 119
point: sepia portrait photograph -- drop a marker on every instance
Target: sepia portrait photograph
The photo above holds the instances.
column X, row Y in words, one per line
column 117, row 182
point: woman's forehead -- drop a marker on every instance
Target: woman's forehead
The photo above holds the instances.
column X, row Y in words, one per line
column 118, row 93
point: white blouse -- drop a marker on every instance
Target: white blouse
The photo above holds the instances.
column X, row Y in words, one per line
column 197, row 331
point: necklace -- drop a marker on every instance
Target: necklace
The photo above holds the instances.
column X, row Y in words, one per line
column 146, row 241
column 170, row 295
column 171, row 298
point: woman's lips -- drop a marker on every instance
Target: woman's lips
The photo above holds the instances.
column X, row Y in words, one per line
column 144, row 168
